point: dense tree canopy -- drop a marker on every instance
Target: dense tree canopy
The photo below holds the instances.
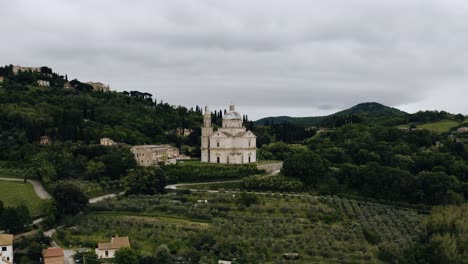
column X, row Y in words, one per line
column 69, row 198
column 145, row 180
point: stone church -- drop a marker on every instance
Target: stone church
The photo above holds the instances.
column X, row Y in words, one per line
column 232, row 143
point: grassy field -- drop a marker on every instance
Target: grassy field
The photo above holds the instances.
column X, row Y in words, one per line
column 15, row 193
column 325, row 229
column 438, row 127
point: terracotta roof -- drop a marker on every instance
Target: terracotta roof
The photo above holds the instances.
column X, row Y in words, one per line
column 6, row 240
column 52, row 252
column 116, row 243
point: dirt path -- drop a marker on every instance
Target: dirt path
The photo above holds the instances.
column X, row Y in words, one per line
column 174, row 186
column 37, row 185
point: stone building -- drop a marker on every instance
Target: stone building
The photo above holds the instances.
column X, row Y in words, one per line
column 183, row 132
column 6, row 249
column 107, row 142
column 99, row 87
column 53, row 255
column 152, row 155
column 462, row 130
column 107, row 249
column 45, row 140
column 232, row 143
column 43, row 83
column 17, row 69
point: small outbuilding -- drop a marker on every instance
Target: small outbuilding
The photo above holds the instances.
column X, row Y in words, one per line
column 108, row 249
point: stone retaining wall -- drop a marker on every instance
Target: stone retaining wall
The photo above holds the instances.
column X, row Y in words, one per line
column 269, row 168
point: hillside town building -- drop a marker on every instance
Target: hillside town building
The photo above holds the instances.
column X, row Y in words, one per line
column 232, row 143
column 53, row 255
column 17, row 69
column 107, row 249
column 99, row 87
column 6, row 249
column 183, row 132
column 1, row 79
column 462, row 130
column 45, row 140
column 152, row 155
column 43, row 83
column 107, row 142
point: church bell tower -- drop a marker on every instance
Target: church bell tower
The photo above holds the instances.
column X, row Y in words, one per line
column 206, row 132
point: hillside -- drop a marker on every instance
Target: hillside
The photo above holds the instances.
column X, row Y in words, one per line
column 75, row 118
column 369, row 110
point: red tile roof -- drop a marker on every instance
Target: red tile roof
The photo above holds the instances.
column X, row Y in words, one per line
column 52, row 252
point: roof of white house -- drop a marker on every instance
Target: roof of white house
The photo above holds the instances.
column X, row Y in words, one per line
column 6, row 240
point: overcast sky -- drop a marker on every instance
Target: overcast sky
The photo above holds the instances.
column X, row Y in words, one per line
column 270, row 58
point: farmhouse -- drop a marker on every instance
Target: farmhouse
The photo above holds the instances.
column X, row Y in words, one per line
column 107, row 142
column 232, row 143
column 6, row 249
column 53, row 255
column 108, row 249
column 462, row 130
column 151, row 155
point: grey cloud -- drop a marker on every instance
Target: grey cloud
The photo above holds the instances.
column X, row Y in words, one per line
column 300, row 57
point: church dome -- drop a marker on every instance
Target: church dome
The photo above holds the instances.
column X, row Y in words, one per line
column 232, row 115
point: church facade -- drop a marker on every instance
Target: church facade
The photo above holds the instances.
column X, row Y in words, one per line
column 232, row 143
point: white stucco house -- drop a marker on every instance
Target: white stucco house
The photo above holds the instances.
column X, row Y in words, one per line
column 6, row 249
column 232, row 143
column 108, row 249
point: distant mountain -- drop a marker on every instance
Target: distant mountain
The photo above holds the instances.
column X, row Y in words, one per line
column 372, row 110
column 369, row 110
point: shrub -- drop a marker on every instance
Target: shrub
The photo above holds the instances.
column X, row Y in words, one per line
column 271, row 183
column 195, row 172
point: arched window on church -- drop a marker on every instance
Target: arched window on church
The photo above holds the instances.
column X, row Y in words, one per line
column 217, row 144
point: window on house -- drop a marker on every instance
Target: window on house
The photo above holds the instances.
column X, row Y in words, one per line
column 106, row 253
column 217, row 144
column 217, row 159
column 4, row 248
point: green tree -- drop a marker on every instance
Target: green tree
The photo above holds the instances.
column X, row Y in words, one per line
column 95, row 169
column 126, row 256
column 306, row 166
column 163, row 255
column 69, row 198
column 15, row 219
column 145, row 180
column 50, row 211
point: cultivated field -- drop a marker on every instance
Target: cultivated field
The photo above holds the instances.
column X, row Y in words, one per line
column 251, row 228
column 14, row 193
column 438, row 127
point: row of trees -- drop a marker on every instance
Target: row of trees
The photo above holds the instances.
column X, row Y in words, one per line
column 380, row 162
